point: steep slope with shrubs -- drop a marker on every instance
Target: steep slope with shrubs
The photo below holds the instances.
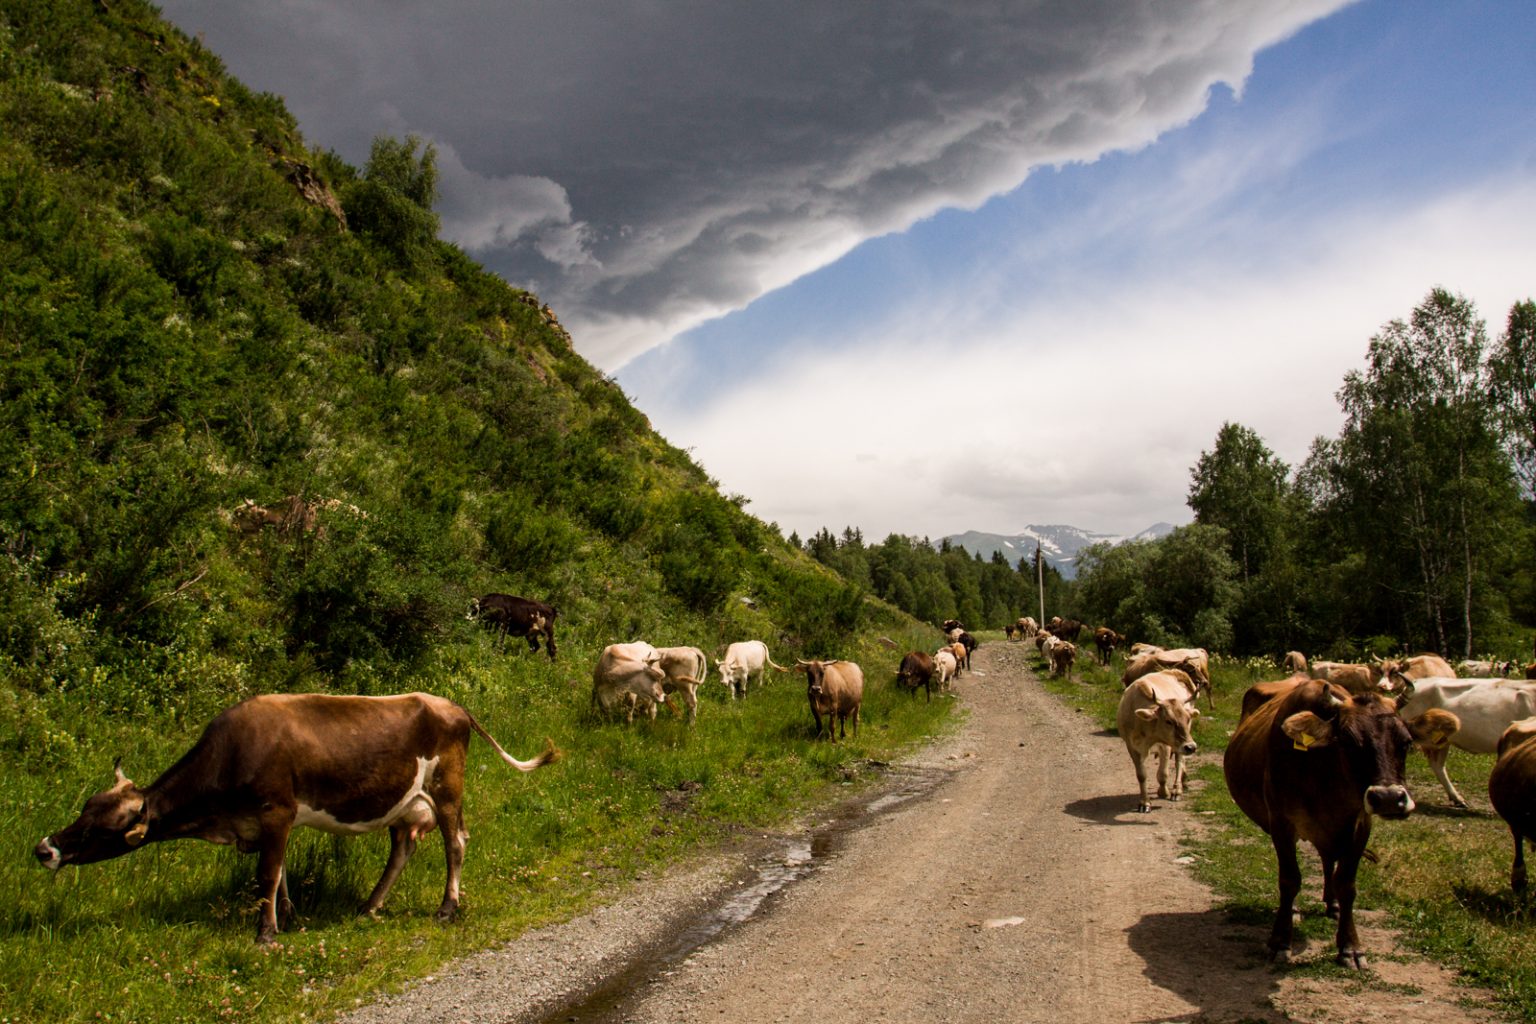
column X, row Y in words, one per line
column 260, row 430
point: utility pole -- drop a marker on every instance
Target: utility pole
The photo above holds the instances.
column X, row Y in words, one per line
column 1040, row 582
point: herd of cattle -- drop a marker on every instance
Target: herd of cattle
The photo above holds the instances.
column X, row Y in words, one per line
column 1314, row 756
column 1317, row 754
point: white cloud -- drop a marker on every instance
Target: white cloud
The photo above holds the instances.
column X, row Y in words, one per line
column 1091, row 411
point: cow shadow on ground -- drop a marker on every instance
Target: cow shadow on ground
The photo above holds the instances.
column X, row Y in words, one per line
column 1119, row 809
column 1499, row 906
column 1211, row 959
column 1447, row 811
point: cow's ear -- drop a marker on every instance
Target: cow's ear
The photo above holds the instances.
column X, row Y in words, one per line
column 134, row 836
column 1308, row 731
column 1434, row 728
column 1147, row 714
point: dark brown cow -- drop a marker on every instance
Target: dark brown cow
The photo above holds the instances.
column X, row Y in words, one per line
column 1512, row 789
column 1065, row 629
column 916, row 670
column 516, row 616
column 1106, row 640
column 834, row 689
column 1315, row 763
column 344, row 765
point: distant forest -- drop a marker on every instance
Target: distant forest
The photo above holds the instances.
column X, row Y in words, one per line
column 1414, row 529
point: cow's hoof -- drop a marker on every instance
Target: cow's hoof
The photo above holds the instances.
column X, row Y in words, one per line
column 447, row 915
column 1144, row 808
column 1280, row 957
column 1351, row 958
column 1460, row 805
column 265, row 938
column 1176, row 797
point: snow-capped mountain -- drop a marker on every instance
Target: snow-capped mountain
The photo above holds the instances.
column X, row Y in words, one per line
column 1059, row 544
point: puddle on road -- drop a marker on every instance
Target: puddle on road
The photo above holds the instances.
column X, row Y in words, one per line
column 791, row 861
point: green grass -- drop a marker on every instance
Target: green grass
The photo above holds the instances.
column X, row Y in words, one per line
column 1442, row 876
column 166, row 933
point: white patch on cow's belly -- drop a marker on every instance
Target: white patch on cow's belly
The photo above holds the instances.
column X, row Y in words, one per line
column 415, row 808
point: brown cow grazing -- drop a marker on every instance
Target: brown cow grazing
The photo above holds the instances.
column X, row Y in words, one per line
column 1106, row 640
column 1294, row 662
column 1315, row 763
column 344, row 765
column 516, row 616
column 1512, row 788
column 917, row 669
column 834, row 689
column 1156, row 715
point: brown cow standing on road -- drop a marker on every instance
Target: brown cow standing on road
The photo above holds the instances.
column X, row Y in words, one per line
column 344, row 765
column 1315, row 763
column 834, row 689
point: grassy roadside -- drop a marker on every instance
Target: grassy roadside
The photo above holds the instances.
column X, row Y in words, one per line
column 165, row 934
column 1442, row 876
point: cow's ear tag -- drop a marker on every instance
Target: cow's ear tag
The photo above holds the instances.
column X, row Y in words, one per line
column 1304, row 741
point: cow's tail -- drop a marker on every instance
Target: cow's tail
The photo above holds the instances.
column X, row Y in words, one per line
column 549, row 756
column 776, row 668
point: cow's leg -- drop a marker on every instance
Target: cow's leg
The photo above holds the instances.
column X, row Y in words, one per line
column 401, row 846
column 284, row 904
column 691, row 698
column 1162, row 771
column 549, row 642
column 450, row 821
column 1330, row 890
column 1139, row 762
column 1290, row 884
column 1436, row 758
column 856, row 722
column 1176, row 781
column 1517, row 872
column 271, row 847
column 1350, row 953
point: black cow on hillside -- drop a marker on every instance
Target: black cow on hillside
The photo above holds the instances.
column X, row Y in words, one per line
column 516, row 616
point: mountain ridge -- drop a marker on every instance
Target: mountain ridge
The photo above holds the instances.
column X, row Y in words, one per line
column 1059, row 543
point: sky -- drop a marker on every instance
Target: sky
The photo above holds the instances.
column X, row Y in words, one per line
column 924, row 268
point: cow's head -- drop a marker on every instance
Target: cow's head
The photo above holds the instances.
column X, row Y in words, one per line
column 473, row 614
column 1172, row 720
column 112, row 823
column 815, row 674
column 1371, row 742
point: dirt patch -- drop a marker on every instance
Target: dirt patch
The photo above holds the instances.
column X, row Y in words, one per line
column 1024, row 887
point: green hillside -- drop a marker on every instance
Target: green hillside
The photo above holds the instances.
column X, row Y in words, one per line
column 263, row 431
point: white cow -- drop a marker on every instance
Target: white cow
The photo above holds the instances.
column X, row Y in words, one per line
column 685, row 668
column 1486, row 707
column 1156, row 714
column 1487, row 669
column 627, row 675
column 944, row 666
column 744, row 661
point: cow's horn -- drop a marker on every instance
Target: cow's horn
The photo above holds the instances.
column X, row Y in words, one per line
column 117, row 771
column 1333, row 700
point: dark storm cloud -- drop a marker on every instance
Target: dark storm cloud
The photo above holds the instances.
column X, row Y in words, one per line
column 648, row 165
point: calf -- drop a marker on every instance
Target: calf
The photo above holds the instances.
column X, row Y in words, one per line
column 744, row 661
column 1486, row 707
column 834, row 689
column 1156, row 715
column 516, row 616
column 917, row 669
column 1512, row 789
column 1315, row 764
column 344, row 765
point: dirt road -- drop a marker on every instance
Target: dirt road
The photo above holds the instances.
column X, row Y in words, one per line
column 1023, row 887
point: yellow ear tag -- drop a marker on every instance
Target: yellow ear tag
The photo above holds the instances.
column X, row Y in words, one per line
column 1304, row 742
